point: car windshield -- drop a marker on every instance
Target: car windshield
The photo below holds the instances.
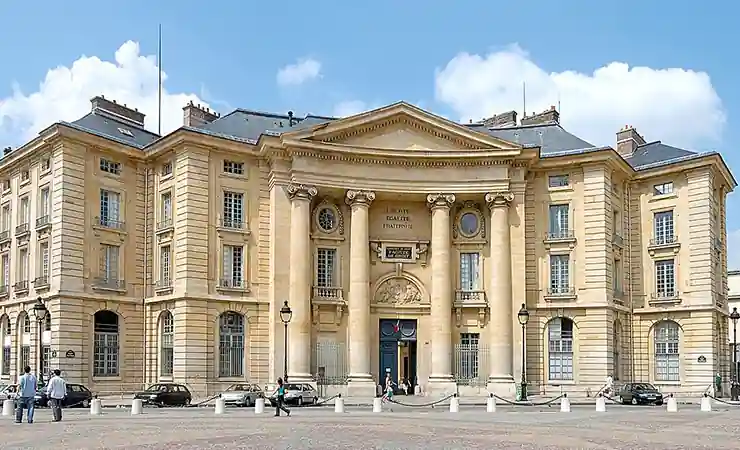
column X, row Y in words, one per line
column 157, row 388
column 238, row 387
column 292, row 387
column 645, row 387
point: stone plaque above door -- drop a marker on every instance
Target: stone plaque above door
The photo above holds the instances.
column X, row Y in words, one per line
column 399, row 251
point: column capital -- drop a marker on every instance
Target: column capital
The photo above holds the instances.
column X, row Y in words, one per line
column 440, row 200
column 499, row 199
column 354, row 197
column 301, row 191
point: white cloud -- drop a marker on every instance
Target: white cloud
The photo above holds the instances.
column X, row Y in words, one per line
column 677, row 106
column 65, row 94
column 302, row 71
column 350, row 108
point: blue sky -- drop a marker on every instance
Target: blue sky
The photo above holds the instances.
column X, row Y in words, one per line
column 463, row 60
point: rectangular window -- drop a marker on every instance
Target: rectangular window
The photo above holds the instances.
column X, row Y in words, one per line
column 233, row 210
column 326, row 266
column 6, row 218
column 45, row 369
column 45, row 165
column 667, row 361
column 6, row 270
column 233, row 270
column 168, row 345
column 105, row 354
column 616, row 226
column 23, row 266
column 166, row 169
column 468, row 362
column 25, row 176
column 44, row 202
column 559, row 274
column 617, row 275
column 663, row 228
column 23, row 211
column 44, row 251
column 665, row 279
column 110, row 209
column 233, row 167
column 109, row 166
column 109, row 255
column 6, row 186
column 560, row 349
column 25, row 356
column 6, row 360
column 470, row 272
column 165, row 212
column 559, row 222
column 165, row 265
column 556, row 181
column 663, row 188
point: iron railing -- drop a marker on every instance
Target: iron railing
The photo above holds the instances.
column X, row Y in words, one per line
column 668, row 239
column 557, row 235
column 43, row 221
column 330, row 363
column 107, row 222
column 164, row 224
column 41, row 281
column 555, row 291
column 109, row 283
column 21, row 229
column 230, row 283
column 21, row 285
column 233, row 224
column 470, row 364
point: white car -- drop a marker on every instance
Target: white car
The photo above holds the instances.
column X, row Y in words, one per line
column 9, row 392
column 298, row 393
column 242, row 394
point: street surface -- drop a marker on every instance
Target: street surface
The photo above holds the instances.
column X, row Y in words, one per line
column 621, row 427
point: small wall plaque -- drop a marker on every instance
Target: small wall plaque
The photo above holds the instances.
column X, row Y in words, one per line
column 70, row 354
column 702, row 359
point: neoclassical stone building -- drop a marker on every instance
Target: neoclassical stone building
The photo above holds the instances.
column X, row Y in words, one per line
column 404, row 243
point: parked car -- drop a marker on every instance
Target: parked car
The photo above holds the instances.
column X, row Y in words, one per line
column 165, row 394
column 639, row 394
column 9, row 392
column 242, row 394
column 297, row 393
column 77, row 396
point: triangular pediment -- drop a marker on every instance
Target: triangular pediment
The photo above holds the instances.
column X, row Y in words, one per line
column 400, row 127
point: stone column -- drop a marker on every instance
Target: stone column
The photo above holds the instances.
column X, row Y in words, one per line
column 360, row 379
column 440, row 378
column 501, row 379
column 299, row 291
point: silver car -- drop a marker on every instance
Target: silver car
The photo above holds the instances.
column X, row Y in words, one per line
column 242, row 394
column 9, row 392
column 298, row 394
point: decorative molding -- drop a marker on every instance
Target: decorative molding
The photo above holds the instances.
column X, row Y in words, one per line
column 398, row 291
column 301, row 191
column 326, row 203
column 465, row 207
column 409, row 160
column 499, row 199
column 359, row 197
column 440, row 200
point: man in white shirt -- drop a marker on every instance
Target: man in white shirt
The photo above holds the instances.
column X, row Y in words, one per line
column 56, row 390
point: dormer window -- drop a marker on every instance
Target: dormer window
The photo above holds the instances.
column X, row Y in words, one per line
column 557, row 181
column 166, row 169
column 109, row 166
column 45, row 164
column 235, row 168
column 25, row 176
column 663, row 188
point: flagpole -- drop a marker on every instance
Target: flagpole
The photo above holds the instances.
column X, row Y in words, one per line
column 159, row 85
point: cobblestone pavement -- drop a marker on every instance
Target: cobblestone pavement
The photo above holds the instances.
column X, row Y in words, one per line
column 405, row 428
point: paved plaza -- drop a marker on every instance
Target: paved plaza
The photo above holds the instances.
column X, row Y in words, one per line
column 404, row 428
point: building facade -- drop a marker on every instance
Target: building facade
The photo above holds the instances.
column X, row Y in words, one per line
column 404, row 243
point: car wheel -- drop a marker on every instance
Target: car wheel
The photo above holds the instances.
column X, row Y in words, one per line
column 619, row 399
column 300, row 401
column 187, row 402
column 634, row 401
column 659, row 403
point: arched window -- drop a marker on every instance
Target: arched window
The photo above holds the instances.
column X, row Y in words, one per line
column 24, row 342
column 560, row 348
column 231, row 345
column 105, row 346
column 167, row 343
column 5, row 333
column 666, row 352
column 615, row 355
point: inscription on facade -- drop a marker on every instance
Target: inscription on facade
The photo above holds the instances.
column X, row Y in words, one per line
column 404, row 253
column 397, row 219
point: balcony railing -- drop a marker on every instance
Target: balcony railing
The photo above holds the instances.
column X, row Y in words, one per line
column 327, row 294
column 21, row 229
column 20, row 286
column 470, row 297
column 665, row 296
column 43, row 222
column 163, row 284
column 617, row 240
column 561, row 291
column 232, row 224
column 109, row 283
column 107, row 222
column 41, row 281
column 4, row 236
column 230, row 283
column 164, row 223
column 664, row 240
column 560, row 235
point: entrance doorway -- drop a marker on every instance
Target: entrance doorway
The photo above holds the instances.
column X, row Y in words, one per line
column 398, row 352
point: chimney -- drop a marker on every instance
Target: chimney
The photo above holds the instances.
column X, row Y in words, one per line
column 507, row 119
column 7, row 151
column 628, row 139
column 119, row 112
column 197, row 115
column 548, row 116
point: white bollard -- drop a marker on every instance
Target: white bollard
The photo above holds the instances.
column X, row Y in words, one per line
column 600, row 404
column 339, row 404
column 377, row 405
column 706, row 404
column 136, row 407
column 8, row 406
column 96, row 407
column 565, row 404
column 491, row 404
column 259, row 406
column 455, row 404
column 220, row 406
column 672, row 404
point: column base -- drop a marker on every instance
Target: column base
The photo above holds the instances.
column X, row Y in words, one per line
column 361, row 386
column 502, row 386
column 300, row 378
column 443, row 385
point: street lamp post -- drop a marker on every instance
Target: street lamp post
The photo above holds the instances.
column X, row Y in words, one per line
column 735, row 388
column 285, row 315
column 40, row 311
column 523, row 317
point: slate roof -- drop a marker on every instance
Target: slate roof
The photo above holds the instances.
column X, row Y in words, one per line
column 247, row 126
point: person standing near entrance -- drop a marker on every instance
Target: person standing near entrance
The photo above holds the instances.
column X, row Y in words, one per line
column 281, row 399
column 56, row 390
column 27, row 386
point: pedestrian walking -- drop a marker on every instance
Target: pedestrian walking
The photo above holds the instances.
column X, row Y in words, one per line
column 56, row 390
column 26, row 398
column 279, row 406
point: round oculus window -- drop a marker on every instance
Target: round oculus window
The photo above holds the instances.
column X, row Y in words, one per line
column 469, row 224
column 327, row 219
